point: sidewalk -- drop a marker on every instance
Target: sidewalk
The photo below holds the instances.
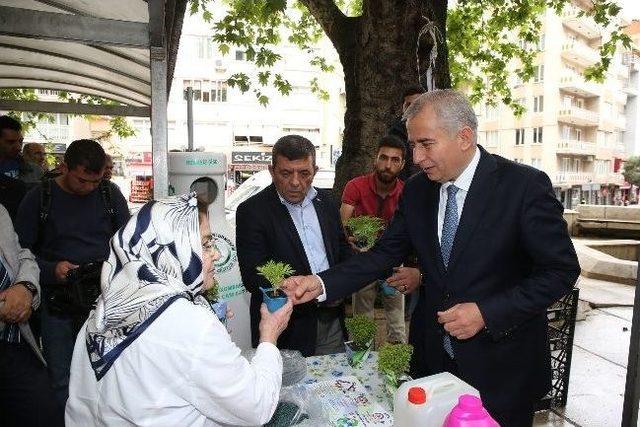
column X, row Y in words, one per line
column 599, row 363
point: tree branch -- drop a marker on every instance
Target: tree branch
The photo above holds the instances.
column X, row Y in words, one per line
column 330, row 18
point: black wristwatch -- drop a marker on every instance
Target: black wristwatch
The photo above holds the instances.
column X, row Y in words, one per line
column 30, row 287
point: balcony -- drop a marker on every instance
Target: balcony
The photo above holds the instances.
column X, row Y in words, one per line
column 620, row 149
column 583, row 25
column 577, row 85
column 630, row 87
column 620, row 122
column 580, row 53
column 578, row 116
column 609, row 178
column 572, row 146
column 573, row 178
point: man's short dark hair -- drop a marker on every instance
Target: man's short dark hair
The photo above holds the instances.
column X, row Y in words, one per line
column 87, row 153
column 413, row 90
column 293, row 147
column 393, row 142
column 8, row 122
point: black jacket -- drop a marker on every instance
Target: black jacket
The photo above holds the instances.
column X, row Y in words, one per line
column 264, row 231
column 512, row 255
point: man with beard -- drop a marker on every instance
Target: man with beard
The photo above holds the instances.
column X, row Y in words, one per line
column 377, row 194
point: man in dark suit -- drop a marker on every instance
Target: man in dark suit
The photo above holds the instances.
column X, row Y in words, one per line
column 291, row 221
column 495, row 253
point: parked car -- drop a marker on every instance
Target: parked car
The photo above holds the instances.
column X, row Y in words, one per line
column 260, row 180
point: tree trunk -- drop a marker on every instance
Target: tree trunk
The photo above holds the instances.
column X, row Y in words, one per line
column 380, row 54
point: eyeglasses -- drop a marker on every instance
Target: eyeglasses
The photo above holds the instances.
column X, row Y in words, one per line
column 210, row 246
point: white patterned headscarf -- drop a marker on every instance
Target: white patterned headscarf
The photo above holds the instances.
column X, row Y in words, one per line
column 154, row 260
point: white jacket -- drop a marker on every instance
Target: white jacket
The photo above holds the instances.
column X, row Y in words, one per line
column 183, row 370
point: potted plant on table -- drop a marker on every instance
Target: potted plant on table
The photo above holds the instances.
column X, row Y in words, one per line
column 393, row 363
column 275, row 273
column 362, row 331
column 219, row 307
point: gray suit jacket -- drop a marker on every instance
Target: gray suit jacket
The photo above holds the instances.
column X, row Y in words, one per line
column 22, row 266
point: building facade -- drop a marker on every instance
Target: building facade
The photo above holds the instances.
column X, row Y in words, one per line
column 573, row 129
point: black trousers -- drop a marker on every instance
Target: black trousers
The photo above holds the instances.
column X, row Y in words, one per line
column 513, row 417
column 26, row 397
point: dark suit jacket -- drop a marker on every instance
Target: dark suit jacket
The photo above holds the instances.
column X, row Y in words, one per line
column 264, row 231
column 512, row 255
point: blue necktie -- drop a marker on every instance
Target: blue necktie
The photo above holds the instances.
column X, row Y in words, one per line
column 449, row 228
column 11, row 331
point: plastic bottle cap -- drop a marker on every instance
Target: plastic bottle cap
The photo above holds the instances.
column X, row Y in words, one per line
column 469, row 402
column 417, row 395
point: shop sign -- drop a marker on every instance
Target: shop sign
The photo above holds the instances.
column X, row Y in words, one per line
column 250, row 157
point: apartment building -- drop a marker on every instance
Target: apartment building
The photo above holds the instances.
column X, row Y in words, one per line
column 228, row 121
column 572, row 129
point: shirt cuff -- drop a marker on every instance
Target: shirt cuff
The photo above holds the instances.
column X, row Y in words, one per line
column 322, row 297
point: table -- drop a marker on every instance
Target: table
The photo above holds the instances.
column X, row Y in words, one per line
column 321, row 368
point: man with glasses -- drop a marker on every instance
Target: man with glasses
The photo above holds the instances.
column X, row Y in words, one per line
column 67, row 222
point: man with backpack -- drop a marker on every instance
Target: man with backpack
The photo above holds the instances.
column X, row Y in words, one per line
column 67, row 222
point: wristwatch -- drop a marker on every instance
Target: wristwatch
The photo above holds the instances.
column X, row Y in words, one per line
column 30, row 287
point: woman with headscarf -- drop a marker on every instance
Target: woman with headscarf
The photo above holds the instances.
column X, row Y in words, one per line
column 153, row 353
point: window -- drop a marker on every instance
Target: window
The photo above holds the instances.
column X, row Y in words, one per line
column 520, row 136
column 538, row 104
column 491, row 112
column 517, row 160
column 492, row 138
column 244, row 55
column 206, row 90
column 537, row 135
column 540, row 43
column 536, row 163
column 204, row 47
column 538, row 74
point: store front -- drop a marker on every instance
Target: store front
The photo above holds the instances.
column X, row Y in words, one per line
column 246, row 163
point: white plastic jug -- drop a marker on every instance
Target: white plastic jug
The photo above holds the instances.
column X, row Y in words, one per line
column 427, row 401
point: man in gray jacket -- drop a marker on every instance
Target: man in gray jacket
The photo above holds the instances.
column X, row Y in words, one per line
column 26, row 397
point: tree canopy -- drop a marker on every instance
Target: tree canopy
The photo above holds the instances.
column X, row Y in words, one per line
column 385, row 46
column 631, row 170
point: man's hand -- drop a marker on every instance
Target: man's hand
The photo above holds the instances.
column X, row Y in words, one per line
column 462, row 321
column 16, row 307
column 405, row 279
column 352, row 242
column 62, row 268
column 301, row 289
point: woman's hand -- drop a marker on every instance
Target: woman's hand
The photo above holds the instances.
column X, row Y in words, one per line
column 272, row 324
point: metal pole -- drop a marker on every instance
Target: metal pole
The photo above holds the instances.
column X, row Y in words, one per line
column 189, row 118
column 632, row 387
column 159, row 127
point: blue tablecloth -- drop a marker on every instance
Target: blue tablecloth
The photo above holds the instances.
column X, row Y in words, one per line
column 321, row 368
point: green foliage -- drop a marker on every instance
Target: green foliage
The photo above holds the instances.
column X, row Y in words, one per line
column 212, row 294
column 483, row 51
column 631, row 170
column 275, row 272
column 365, row 229
column 260, row 26
column 394, row 359
column 361, row 329
column 117, row 125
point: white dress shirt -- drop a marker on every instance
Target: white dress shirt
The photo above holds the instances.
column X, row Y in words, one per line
column 305, row 219
column 183, row 370
column 463, row 182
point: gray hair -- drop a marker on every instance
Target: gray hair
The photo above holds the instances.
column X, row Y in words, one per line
column 452, row 108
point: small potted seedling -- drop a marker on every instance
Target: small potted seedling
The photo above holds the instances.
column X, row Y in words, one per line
column 393, row 363
column 219, row 307
column 365, row 229
column 275, row 273
column 362, row 331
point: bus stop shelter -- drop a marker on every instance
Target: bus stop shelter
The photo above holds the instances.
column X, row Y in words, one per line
column 120, row 50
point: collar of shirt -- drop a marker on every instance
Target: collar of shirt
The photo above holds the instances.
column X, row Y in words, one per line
column 371, row 179
column 463, row 182
column 311, row 194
